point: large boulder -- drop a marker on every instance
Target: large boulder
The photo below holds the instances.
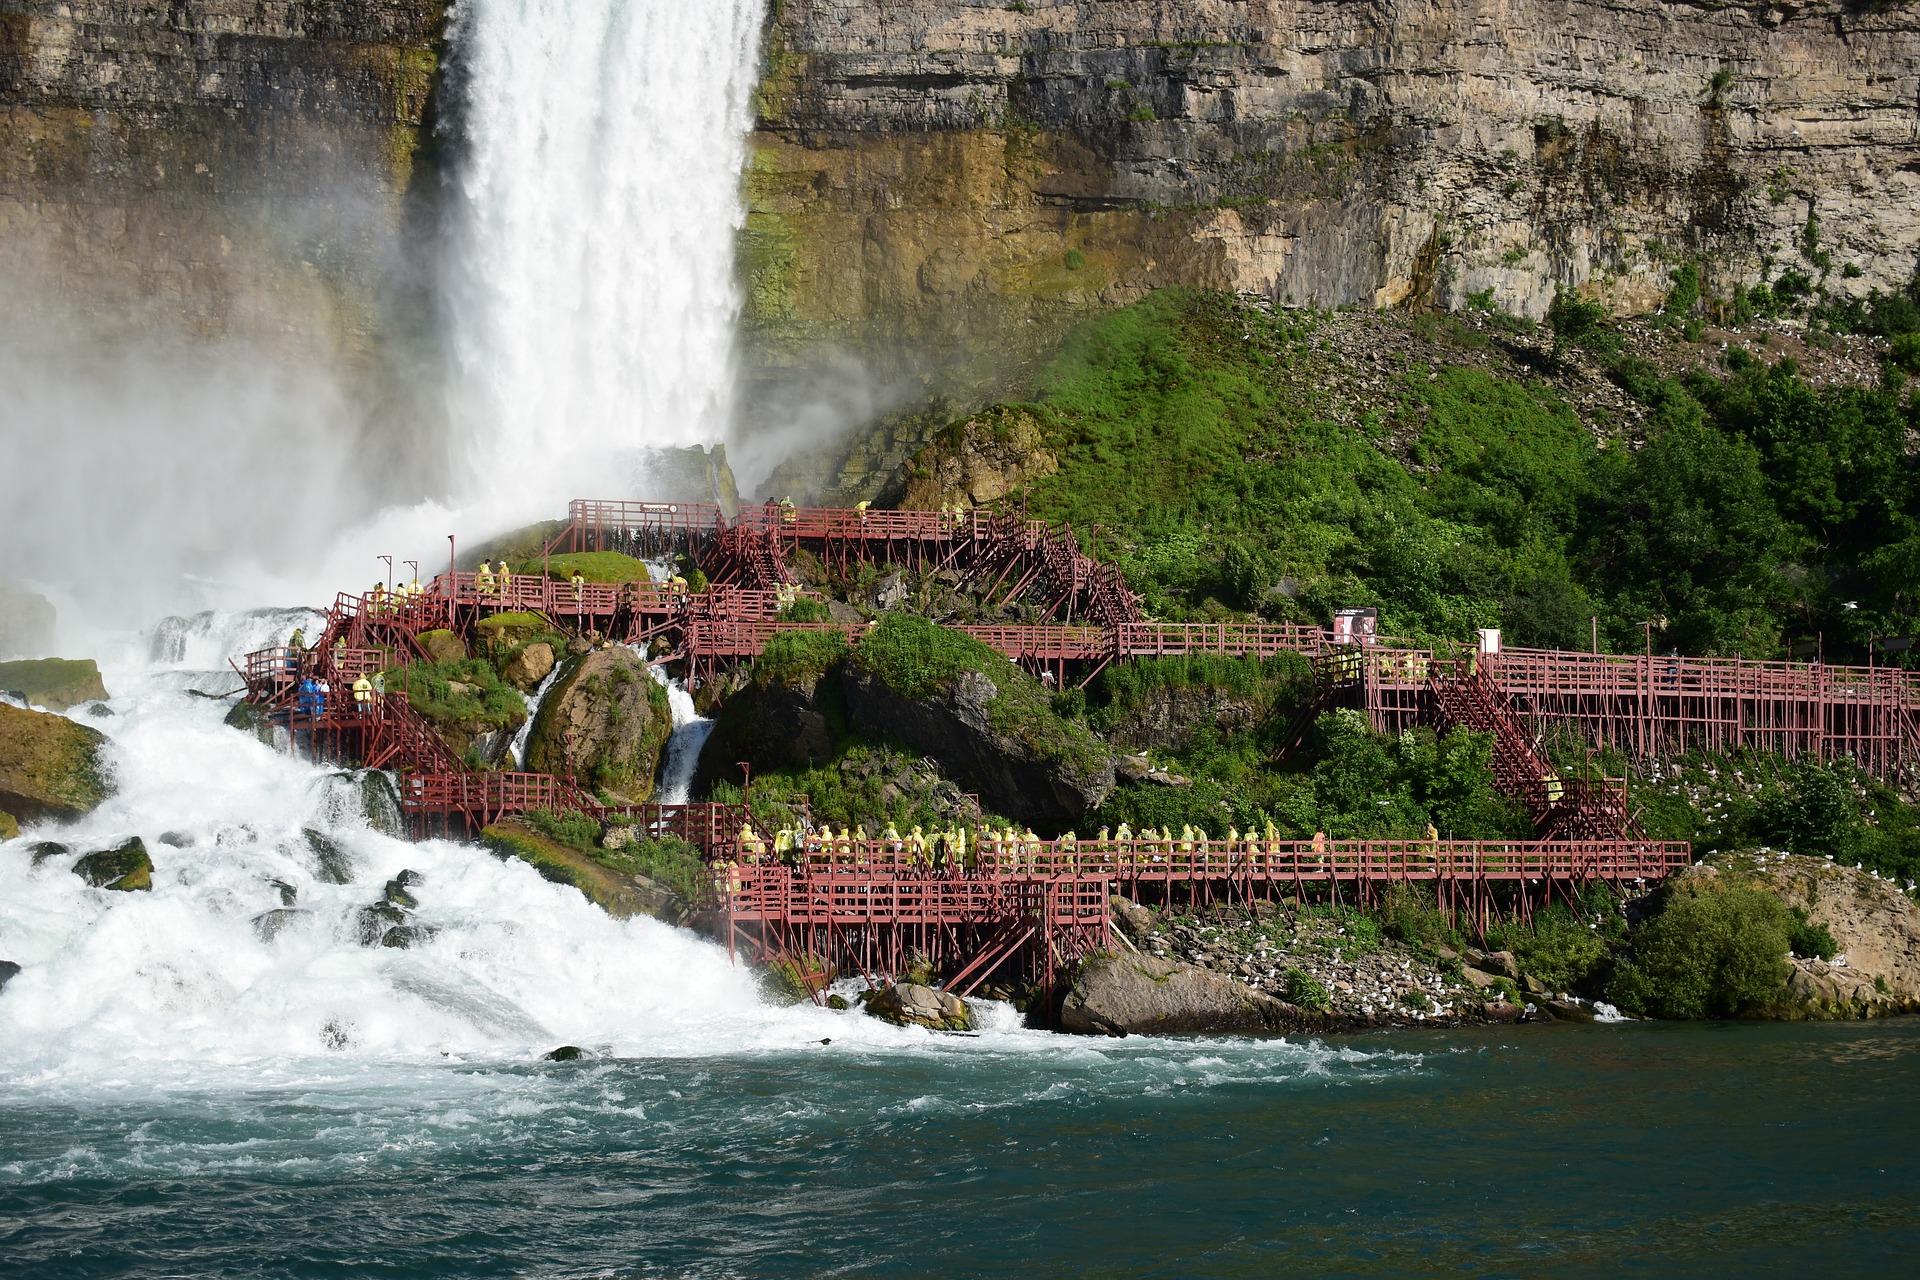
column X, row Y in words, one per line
column 1145, row 995
column 125, row 868
column 49, row 766
column 992, row 728
column 913, row 1004
column 55, row 684
column 528, row 666
column 442, row 645
column 8, row 972
column 979, row 461
column 9, row 826
column 776, row 721
column 1875, row 926
column 620, row 894
column 604, row 722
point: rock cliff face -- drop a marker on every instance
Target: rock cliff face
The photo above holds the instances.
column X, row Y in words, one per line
column 232, row 163
column 938, row 185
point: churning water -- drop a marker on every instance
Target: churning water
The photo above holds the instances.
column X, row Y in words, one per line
column 594, row 297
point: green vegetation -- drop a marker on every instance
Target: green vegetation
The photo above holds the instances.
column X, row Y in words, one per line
column 807, row 609
column 1304, row 990
column 1187, row 426
column 1717, row 949
column 917, row 658
column 798, row 657
column 669, row 862
column 467, row 692
column 594, row 566
column 1808, row 940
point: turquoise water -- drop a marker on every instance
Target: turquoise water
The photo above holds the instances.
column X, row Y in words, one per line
column 1658, row 1150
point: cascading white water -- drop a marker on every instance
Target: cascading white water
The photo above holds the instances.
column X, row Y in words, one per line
column 690, row 733
column 189, row 974
column 593, row 298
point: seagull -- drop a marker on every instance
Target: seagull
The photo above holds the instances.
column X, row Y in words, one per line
column 1851, row 604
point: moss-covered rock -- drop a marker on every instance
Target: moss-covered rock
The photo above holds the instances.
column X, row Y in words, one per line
column 604, row 721
column 49, row 766
column 56, row 684
column 501, row 634
column 610, row 567
column 914, row 1004
column 982, row 718
column 9, row 826
column 442, row 645
column 621, row 894
column 125, row 868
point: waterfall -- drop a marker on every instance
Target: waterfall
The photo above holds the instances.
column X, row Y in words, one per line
column 593, row 300
column 690, row 734
column 249, row 946
column 518, row 751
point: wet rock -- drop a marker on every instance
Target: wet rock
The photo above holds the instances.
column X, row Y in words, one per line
column 380, row 802
column 566, row 1053
column 979, row 461
column 1534, row 986
column 838, row 1003
column 53, row 684
column 1146, row 995
column 332, row 864
column 8, row 972
column 9, row 827
column 1479, row 979
column 251, row 718
column 43, row 850
column 605, row 721
column 1570, row 1011
column 269, row 924
column 397, row 890
column 1500, row 1011
column 528, row 667
column 411, row 934
column 912, row 1004
column 620, row 894
column 49, row 766
column 289, row 894
column 126, row 868
column 775, row 723
column 372, row 923
column 176, row 839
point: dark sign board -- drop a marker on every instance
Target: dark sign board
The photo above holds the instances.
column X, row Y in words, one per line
column 1802, row 648
column 1896, row 644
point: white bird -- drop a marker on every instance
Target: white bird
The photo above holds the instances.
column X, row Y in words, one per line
column 1851, row 604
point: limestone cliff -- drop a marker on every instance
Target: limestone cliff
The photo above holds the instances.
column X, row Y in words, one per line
column 937, row 185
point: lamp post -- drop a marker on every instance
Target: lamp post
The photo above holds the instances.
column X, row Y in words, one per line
column 389, row 560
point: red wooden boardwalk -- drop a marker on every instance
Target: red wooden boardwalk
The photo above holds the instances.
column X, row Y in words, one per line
column 1033, row 904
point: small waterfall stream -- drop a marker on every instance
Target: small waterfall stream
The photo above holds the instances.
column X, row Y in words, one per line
column 690, row 733
column 534, row 699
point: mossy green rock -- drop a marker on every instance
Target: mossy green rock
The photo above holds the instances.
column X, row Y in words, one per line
column 604, row 722
column 9, row 827
column 442, row 645
column 594, row 566
column 125, row 869
column 49, row 766
column 54, row 683
column 617, row 893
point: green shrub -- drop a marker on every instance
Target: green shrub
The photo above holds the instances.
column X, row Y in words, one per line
column 1304, row 990
column 1411, row 914
column 1810, row 941
column 1559, row 947
column 1717, row 948
column 795, row 657
column 492, row 704
column 572, row 829
column 806, row 609
column 917, row 658
column 670, row 862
